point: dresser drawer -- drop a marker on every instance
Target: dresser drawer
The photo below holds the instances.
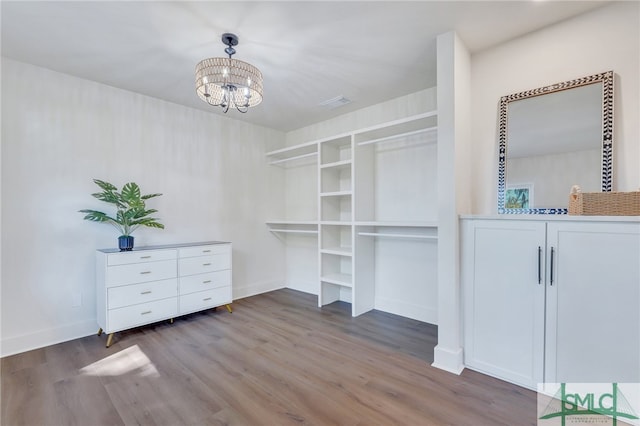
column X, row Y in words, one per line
column 133, row 294
column 202, row 264
column 144, row 313
column 140, row 272
column 128, row 257
column 200, row 282
column 205, row 299
column 204, row 250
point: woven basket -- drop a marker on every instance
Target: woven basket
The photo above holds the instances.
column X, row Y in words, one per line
column 604, row 203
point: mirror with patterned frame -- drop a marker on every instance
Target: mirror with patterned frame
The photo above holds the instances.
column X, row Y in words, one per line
column 552, row 138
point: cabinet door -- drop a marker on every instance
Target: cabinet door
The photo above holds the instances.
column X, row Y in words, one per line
column 593, row 320
column 503, row 294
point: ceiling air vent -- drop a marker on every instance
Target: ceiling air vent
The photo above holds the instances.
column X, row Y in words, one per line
column 336, row 102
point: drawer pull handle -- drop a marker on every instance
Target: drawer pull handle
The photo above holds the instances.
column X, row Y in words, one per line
column 145, row 257
column 206, row 282
column 146, row 292
column 145, row 312
column 206, row 251
column 208, row 298
column 145, row 272
column 206, row 264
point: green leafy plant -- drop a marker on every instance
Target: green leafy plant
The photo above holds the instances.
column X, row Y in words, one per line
column 131, row 211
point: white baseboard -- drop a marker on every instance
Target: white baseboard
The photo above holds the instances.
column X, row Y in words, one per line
column 256, row 288
column 448, row 360
column 48, row 337
column 310, row 287
column 66, row 332
column 407, row 310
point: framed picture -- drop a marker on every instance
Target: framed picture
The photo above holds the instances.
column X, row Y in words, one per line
column 519, row 196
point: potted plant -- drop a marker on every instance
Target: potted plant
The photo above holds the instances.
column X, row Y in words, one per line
column 131, row 211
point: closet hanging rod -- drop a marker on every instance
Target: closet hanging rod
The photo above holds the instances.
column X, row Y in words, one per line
column 390, row 235
column 293, row 231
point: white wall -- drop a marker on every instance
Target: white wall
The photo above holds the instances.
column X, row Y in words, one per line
column 604, row 39
column 59, row 132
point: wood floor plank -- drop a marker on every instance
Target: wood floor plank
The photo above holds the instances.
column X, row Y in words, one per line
column 84, row 400
column 279, row 359
column 28, row 397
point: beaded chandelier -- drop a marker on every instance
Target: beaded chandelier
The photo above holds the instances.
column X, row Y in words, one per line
column 228, row 82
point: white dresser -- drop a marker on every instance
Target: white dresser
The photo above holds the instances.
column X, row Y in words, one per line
column 156, row 283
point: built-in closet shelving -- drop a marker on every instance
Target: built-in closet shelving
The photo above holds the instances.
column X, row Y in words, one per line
column 370, row 188
column 335, row 210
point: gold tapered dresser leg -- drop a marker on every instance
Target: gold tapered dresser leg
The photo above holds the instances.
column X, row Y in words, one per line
column 229, row 308
column 100, row 331
column 171, row 321
column 109, row 340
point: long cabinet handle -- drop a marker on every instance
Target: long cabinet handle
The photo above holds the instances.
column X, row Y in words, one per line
column 145, row 257
column 206, row 251
column 208, row 298
column 146, row 292
column 551, row 269
column 539, row 265
column 145, row 312
column 145, row 272
column 206, row 264
column 206, row 281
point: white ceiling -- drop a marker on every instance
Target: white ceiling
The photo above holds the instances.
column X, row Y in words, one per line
column 308, row 52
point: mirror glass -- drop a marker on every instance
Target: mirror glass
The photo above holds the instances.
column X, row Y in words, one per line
column 552, row 138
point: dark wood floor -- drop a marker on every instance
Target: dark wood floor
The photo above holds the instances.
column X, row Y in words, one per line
column 277, row 360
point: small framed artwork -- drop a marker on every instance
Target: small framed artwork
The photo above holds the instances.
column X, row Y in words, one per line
column 519, row 196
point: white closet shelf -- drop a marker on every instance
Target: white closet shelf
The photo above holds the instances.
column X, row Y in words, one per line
column 293, row 227
column 296, row 152
column 336, row 222
column 337, row 164
column 399, row 135
column 404, row 230
column 403, row 127
column 339, row 251
column 290, row 151
column 336, row 194
column 297, row 157
column 337, row 278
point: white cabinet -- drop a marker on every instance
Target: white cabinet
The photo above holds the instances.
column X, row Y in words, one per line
column 151, row 284
column 552, row 301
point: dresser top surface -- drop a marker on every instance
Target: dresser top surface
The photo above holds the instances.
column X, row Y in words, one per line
column 164, row 246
